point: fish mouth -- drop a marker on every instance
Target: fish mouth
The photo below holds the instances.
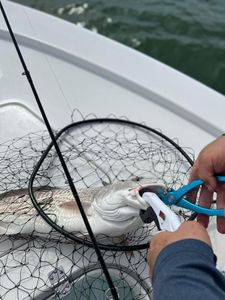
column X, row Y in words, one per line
column 138, row 192
column 152, row 188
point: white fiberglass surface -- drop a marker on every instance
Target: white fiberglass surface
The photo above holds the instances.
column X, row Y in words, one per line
column 64, row 86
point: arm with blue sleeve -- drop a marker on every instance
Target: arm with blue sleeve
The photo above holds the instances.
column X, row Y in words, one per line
column 186, row 270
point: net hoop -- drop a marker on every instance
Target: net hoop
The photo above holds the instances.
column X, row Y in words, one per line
column 79, row 124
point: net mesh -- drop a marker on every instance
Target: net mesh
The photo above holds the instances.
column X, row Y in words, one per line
column 39, row 262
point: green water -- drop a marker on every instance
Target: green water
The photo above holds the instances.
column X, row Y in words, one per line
column 188, row 35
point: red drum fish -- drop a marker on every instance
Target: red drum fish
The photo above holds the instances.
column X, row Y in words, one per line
column 112, row 210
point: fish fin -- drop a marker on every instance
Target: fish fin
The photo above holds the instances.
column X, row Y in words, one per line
column 71, row 206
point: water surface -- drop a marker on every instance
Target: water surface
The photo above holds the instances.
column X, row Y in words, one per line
column 187, row 35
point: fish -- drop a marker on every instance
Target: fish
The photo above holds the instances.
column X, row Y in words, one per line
column 112, row 210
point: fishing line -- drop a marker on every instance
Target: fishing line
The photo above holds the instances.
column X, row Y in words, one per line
column 35, row 33
column 60, row 156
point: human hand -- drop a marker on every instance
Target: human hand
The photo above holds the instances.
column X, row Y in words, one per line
column 210, row 162
column 187, row 230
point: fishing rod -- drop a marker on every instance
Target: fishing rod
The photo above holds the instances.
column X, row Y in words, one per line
column 60, row 156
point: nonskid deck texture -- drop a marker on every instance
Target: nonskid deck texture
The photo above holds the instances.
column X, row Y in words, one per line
column 97, row 154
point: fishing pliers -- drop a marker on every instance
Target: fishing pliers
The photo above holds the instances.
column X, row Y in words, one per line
column 176, row 197
column 160, row 198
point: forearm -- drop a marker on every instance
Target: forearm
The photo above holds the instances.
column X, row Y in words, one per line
column 186, row 270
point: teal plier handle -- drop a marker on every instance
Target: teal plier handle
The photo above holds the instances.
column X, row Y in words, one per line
column 175, row 197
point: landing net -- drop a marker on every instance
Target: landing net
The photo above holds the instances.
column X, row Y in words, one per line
column 98, row 153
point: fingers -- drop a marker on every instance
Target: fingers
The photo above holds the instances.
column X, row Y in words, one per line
column 205, row 173
column 210, row 161
column 221, row 205
column 205, row 200
column 204, row 169
column 191, row 196
column 206, row 193
column 201, row 172
column 209, row 180
column 194, row 171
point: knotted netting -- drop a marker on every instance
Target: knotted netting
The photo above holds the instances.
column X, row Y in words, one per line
column 103, row 156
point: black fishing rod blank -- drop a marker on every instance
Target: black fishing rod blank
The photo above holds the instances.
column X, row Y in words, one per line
column 60, row 156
